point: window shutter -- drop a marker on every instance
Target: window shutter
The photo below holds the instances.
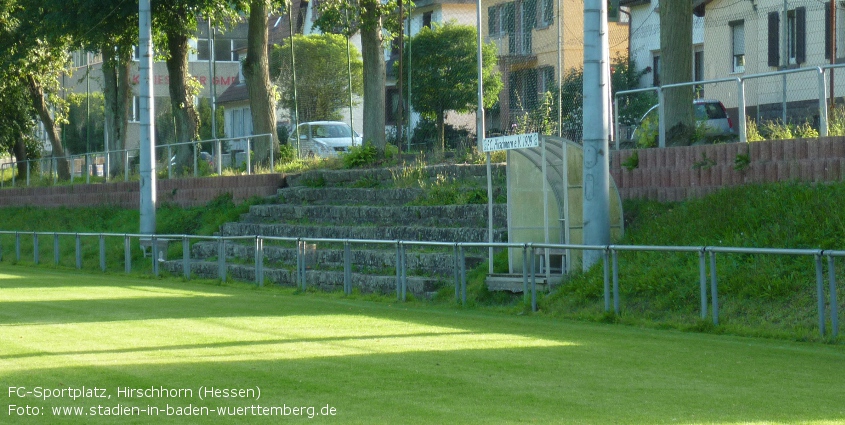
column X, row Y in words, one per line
column 827, row 30
column 801, row 34
column 492, row 18
column 529, row 15
column 774, row 39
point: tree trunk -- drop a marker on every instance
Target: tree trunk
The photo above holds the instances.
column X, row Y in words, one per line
column 262, row 104
column 441, row 130
column 372, row 53
column 181, row 101
column 676, row 67
column 20, row 155
column 116, row 96
column 36, row 92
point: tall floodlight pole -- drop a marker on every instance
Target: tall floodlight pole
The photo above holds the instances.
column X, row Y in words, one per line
column 147, row 142
column 479, row 135
column 596, row 131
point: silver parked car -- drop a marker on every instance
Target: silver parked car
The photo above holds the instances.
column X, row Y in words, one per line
column 710, row 114
column 324, row 138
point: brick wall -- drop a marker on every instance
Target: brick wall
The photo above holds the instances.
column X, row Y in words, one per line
column 185, row 192
column 677, row 173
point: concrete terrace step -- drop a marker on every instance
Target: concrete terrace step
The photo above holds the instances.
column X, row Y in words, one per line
column 344, row 195
column 325, row 280
column 434, row 216
column 409, row 233
column 439, row 263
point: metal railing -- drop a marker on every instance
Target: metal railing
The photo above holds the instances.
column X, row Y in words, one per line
column 99, row 164
column 821, row 76
column 708, row 289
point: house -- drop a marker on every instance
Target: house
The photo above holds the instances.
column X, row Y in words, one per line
column 534, row 51
column 644, row 43
column 761, row 36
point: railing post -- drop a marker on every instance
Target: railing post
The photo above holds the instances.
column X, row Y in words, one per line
column 615, row 264
column 219, row 157
column 154, row 251
column 661, row 116
column 607, row 279
column 35, row 256
column 17, row 247
column 457, row 273
column 27, row 173
column 399, row 270
column 56, row 248
column 702, row 282
column 525, row 272
column 714, row 288
column 834, row 306
column 404, row 271
column 125, row 165
column 820, row 293
column 78, row 252
column 300, row 264
column 102, row 252
column 186, row 257
column 259, row 261
column 248, row 156
column 463, row 274
column 272, row 154
column 127, row 254
column 87, row 168
column 534, row 280
column 347, row 268
column 742, row 118
column 169, row 162
column 822, row 104
column 221, row 259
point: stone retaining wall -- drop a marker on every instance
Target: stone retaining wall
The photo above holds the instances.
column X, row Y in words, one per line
column 677, row 173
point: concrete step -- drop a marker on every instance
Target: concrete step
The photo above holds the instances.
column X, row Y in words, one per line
column 406, row 233
column 325, row 280
column 333, row 178
column 424, row 216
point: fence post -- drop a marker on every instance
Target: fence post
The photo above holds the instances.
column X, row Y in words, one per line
column 404, row 271
column 743, row 132
column 702, row 282
column 127, row 254
column 248, row 159
column 186, row 257
column 463, row 275
column 347, row 268
column 78, row 252
column 820, row 292
column 169, row 162
column 35, row 256
column 154, row 250
column 524, row 272
column 607, row 279
column 221, row 259
column 300, row 264
column 534, row 280
column 17, row 247
column 87, row 168
column 272, row 154
column 714, row 288
column 822, row 104
column 56, row 248
column 259, row 261
column 399, row 270
column 27, row 173
column 834, row 306
column 615, row 264
column 102, row 252
column 125, row 165
column 661, row 125
column 457, row 274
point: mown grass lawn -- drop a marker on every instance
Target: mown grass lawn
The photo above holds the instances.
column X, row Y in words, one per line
column 378, row 362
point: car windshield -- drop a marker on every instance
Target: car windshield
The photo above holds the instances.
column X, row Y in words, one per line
column 709, row 111
column 330, row 130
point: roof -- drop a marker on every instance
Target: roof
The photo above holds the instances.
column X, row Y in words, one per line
column 698, row 7
column 235, row 93
column 633, row 2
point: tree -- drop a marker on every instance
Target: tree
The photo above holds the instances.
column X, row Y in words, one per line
column 322, row 82
column 676, row 67
column 445, row 72
column 348, row 17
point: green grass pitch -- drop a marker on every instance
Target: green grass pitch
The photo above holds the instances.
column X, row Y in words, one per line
column 158, row 350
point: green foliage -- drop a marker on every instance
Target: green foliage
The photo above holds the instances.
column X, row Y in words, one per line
column 204, row 112
column 75, row 134
column 648, row 132
column 539, row 119
column 742, row 161
column 836, row 121
column 632, row 161
column 704, row 163
column 360, row 156
column 322, row 81
column 752, row 134
column 425, row 135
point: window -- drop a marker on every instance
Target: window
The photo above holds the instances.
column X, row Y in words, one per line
column 774, row 39
column 545, row 81
column 655, row 69
column 698, row 70
column 494, row 28
column 827, row 28
column 545, row 13
column 796, row 35
column 426, row 19
column 523, row 89
column 737, row 46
